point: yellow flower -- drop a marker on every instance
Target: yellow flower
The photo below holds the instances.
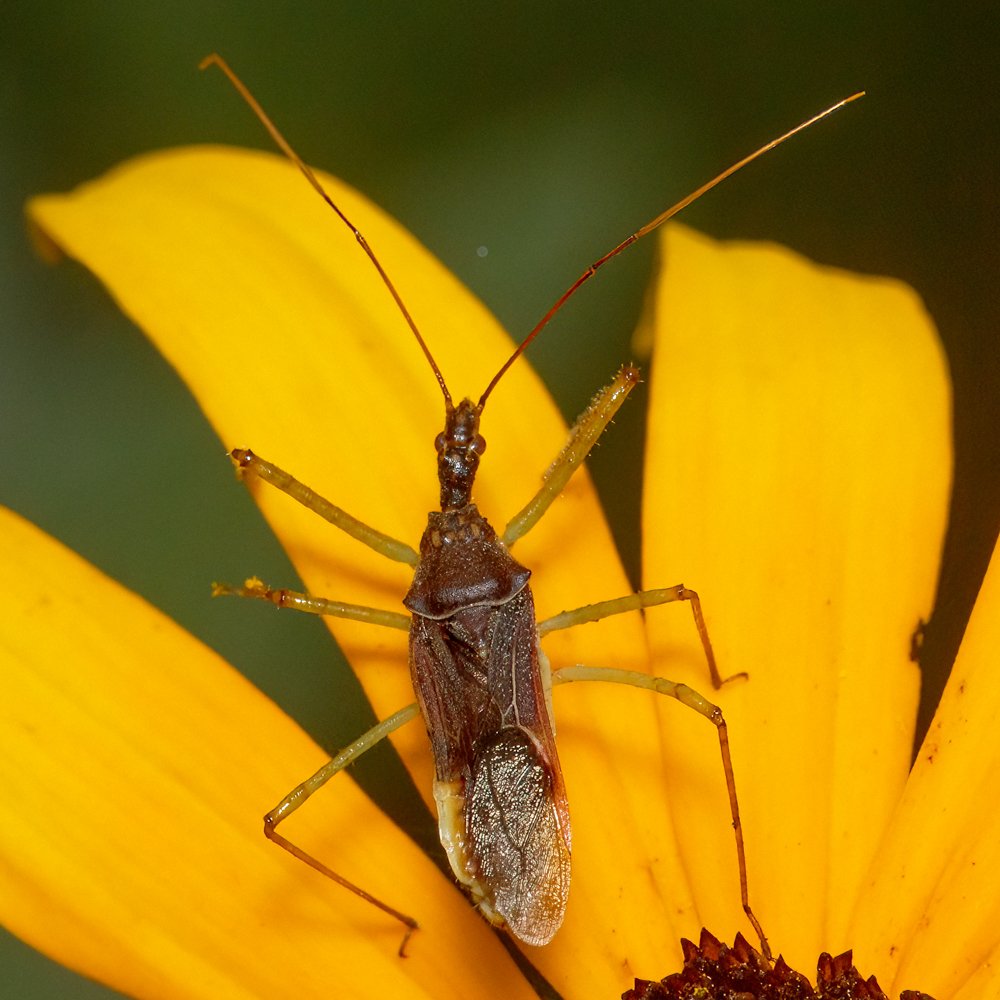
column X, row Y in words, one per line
column 797, row 475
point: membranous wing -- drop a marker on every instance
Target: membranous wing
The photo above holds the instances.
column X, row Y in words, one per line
column 515, row 835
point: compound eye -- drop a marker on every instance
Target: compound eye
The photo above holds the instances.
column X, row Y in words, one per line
column 479, row 445
column 439, row 443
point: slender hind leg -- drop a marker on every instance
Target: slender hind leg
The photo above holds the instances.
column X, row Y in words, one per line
column 298, row 795
column 689, row 697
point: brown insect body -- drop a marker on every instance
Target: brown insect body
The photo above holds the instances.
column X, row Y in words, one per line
column 483, row 686
column 482, row 682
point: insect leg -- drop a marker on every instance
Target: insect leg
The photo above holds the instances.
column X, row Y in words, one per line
column 634, row 602
column 583, row 436
column 300, row 793
column 689, row 697
column 283, row 598
column 247, row 463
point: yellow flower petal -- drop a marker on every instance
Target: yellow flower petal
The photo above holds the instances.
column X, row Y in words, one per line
column 797, row 476
column 931, row 913
column 136, row 766
column 272, row 314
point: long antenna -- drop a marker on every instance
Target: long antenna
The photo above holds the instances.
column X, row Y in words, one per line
column 216, row 60
column 648, row 228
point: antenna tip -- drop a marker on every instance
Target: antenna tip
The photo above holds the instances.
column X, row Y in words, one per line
column 212, row 59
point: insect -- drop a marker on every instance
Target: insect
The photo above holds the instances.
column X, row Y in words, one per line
column 482, row 683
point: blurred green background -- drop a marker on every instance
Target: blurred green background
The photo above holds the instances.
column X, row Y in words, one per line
column 544, row 133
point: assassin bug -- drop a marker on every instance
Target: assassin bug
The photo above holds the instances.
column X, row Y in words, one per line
column 482, row 682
